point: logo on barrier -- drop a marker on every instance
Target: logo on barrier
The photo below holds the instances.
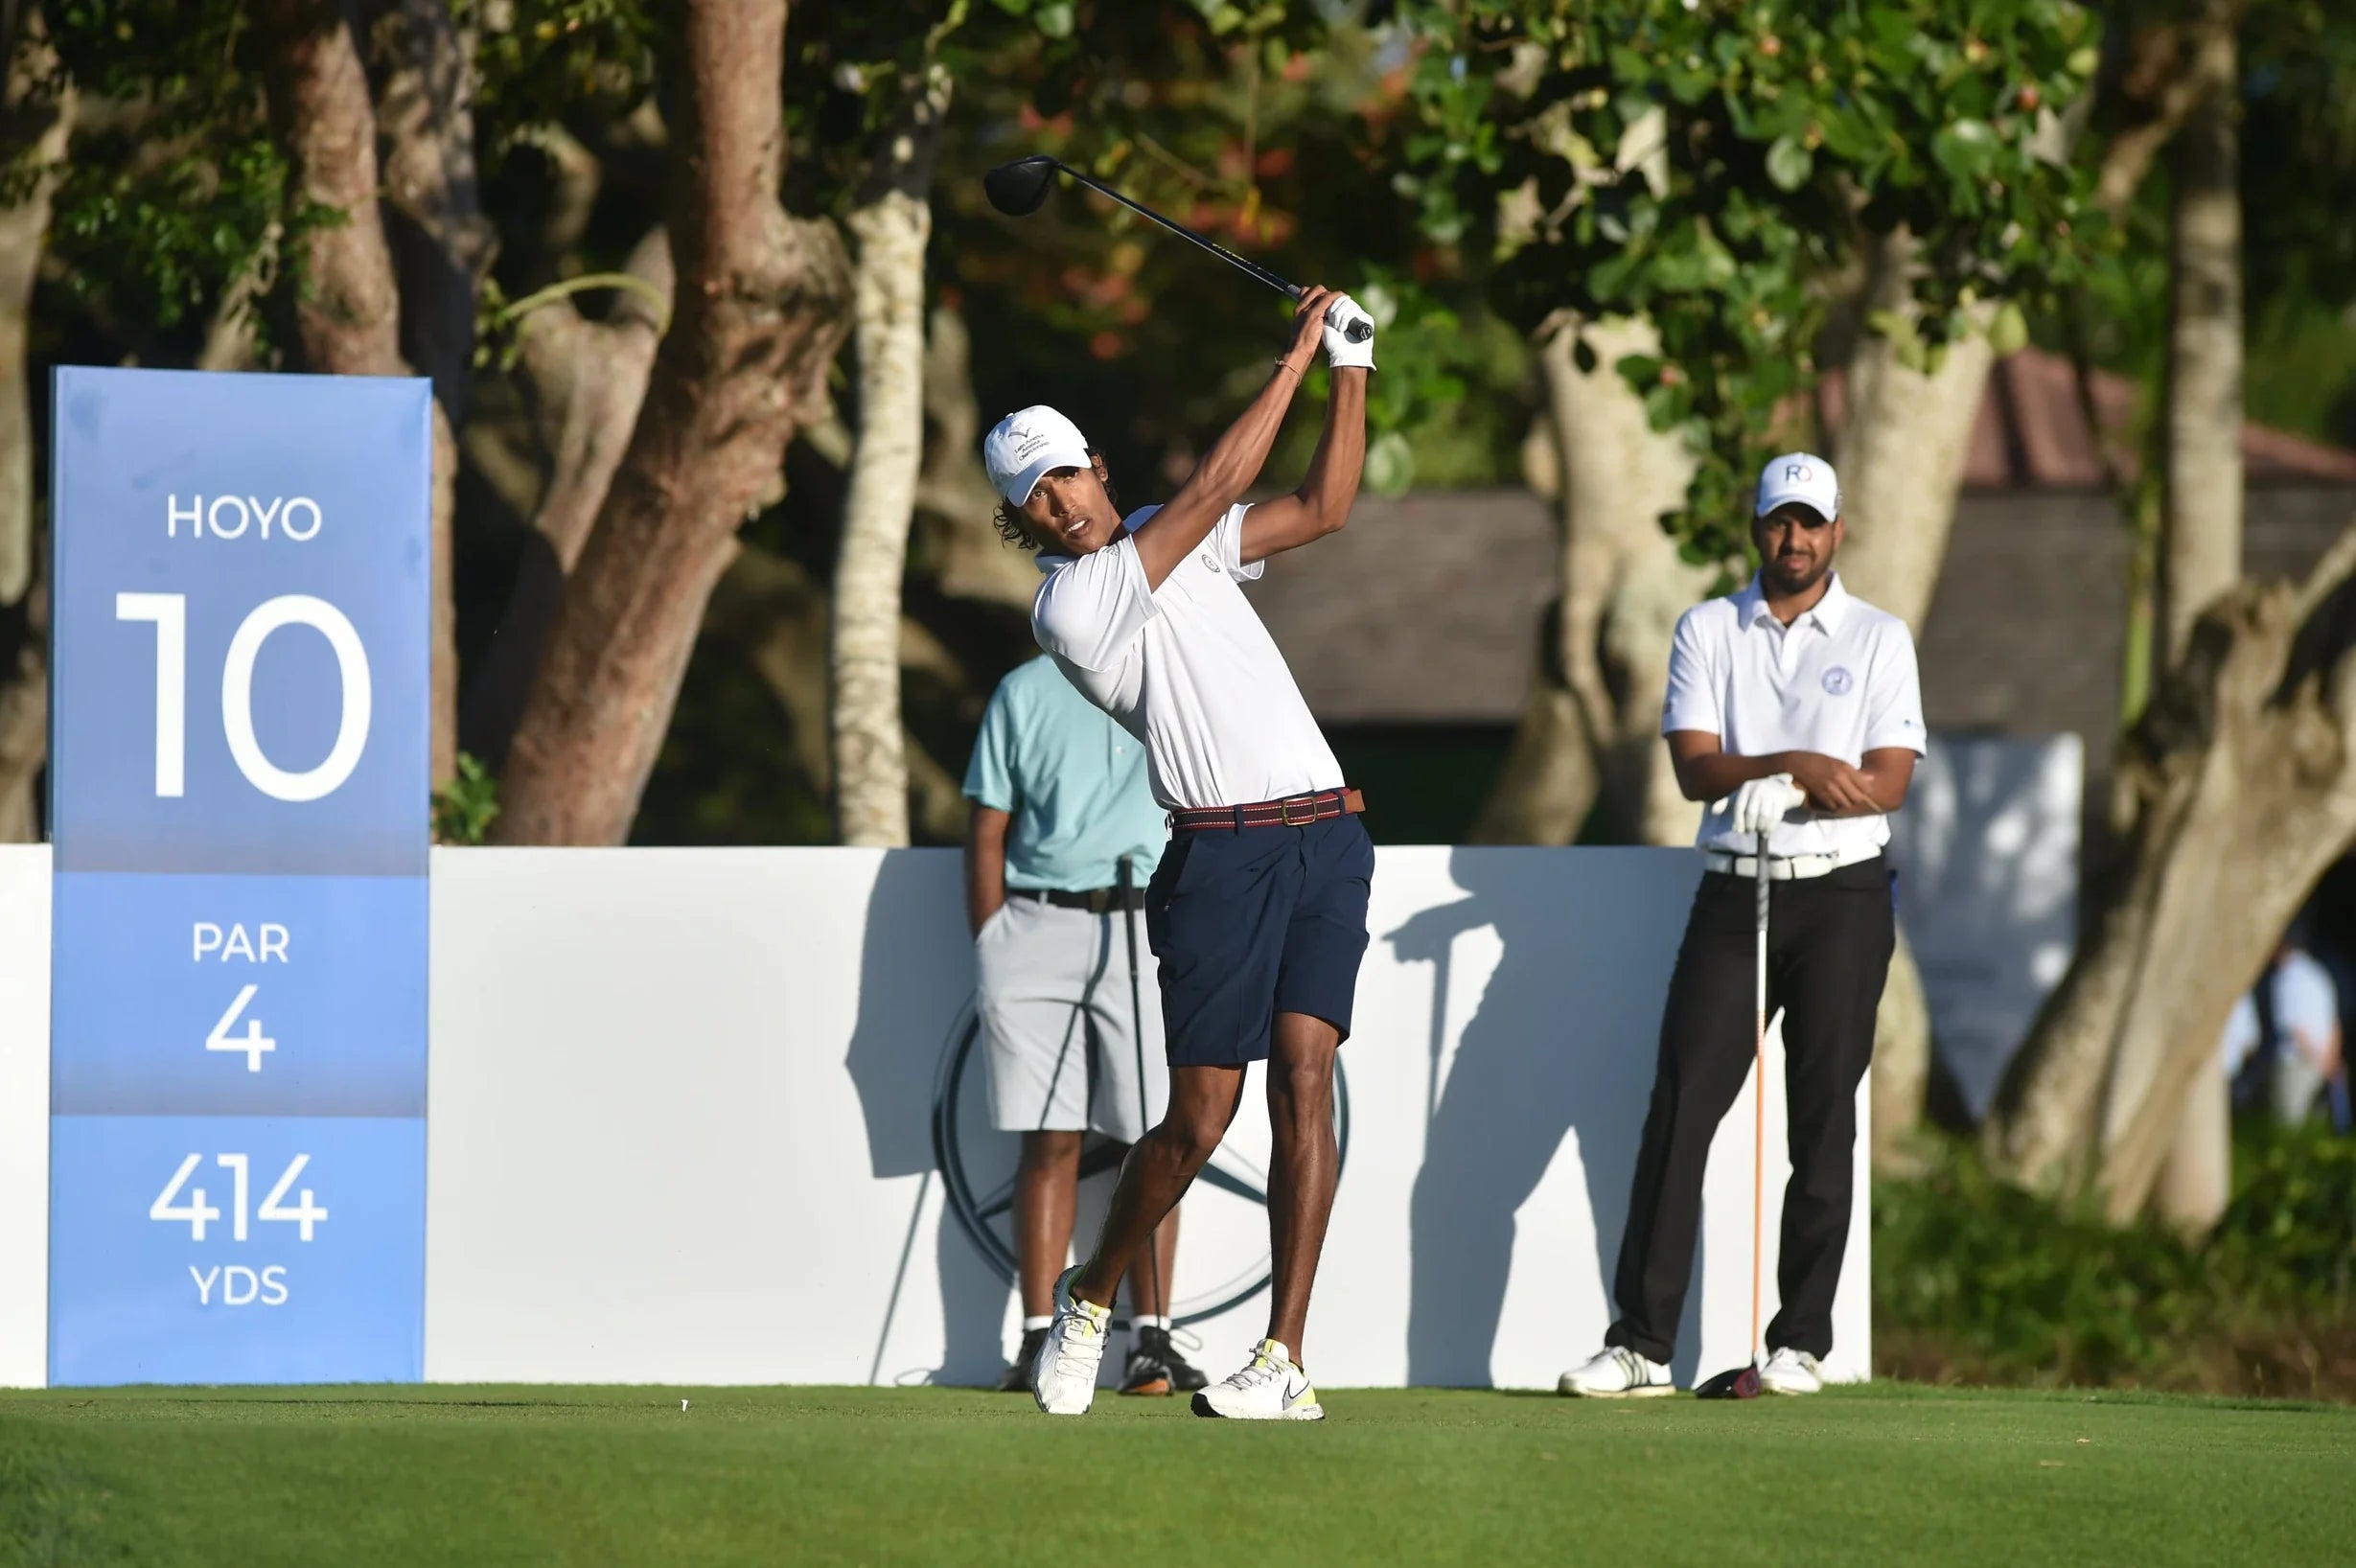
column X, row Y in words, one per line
column 977, row 1167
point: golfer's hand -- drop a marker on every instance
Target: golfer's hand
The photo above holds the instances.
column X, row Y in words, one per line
column 1833, row 785
column 1762, row 803
column 1340, row 352
column 1308, row 329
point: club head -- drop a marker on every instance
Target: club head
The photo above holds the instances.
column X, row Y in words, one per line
column 1741, row 1383
column 1020, row 187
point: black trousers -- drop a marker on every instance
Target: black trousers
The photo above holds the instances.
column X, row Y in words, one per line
column 1828, row 942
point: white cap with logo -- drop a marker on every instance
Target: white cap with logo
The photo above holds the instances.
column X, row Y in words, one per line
column 1803, row 478
column 1028, row 443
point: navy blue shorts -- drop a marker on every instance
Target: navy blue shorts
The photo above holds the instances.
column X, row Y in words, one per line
column 1255, row 923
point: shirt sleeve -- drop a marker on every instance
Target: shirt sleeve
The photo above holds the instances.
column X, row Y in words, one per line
column 2304, row 997
column 1090, row 610
column 1229, row 535
column 990, row 773
column 1894, row 694
column 1692, row 695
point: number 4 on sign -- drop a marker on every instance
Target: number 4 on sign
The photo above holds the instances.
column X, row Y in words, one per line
column 253, row 1041
column 305, row 1213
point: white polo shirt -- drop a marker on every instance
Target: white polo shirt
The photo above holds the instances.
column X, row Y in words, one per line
column 1188, row 668
column 1840, row 680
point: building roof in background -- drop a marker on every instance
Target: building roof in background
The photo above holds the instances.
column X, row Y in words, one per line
column 1425, row 609
column 2032, row 432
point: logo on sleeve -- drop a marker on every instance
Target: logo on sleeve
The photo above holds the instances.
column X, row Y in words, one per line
column 1837, row 681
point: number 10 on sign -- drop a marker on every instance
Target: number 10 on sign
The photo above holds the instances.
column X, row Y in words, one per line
column 169, row 612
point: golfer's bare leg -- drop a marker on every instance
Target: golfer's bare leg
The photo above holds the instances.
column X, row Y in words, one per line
column 1047, row 1184
column 1303, row 1168
column 1149, row 1281
column 1302, row 1172
column 1160, row 1167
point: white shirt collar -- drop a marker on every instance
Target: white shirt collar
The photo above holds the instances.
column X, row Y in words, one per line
column 1828, row 615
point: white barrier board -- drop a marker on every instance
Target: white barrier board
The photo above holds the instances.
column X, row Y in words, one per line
column 682, row 1126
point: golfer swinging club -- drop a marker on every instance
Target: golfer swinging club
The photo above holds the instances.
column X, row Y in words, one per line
column 1795, row 709
column 1258, row 909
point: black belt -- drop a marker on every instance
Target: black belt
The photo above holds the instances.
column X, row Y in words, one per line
column 1095, row 900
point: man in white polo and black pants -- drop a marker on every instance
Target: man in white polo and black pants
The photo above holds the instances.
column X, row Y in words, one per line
column 1796, row 710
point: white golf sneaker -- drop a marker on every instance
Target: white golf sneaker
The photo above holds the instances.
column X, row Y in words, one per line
column 1063, row 1378
column 1617, row 1372
column 1269, row 1388
column 1792, row 1372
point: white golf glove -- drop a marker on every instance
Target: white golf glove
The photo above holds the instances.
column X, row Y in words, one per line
column 1340, row 352
column 1761, row 804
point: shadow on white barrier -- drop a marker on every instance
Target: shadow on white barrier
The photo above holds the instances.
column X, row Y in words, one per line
column 686, row 1113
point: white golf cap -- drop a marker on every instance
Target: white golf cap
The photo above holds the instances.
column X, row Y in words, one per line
column 1028, row 444
column 1803, row 478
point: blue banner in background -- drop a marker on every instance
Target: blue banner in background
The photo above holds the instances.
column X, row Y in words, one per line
column 238, row 803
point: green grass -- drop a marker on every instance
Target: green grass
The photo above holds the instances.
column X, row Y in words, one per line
column 1884, row 1475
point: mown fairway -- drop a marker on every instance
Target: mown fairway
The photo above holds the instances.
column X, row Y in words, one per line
column 1887, row 1475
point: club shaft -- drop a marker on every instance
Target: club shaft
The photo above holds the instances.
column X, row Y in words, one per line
column 1288, row 290
column 1758, row 1134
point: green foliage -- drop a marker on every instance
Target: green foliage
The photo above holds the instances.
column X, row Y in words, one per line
column 175, row 195
column 544, row 60
column 2011, row 1289
column 1713, row 166
column 465, row 808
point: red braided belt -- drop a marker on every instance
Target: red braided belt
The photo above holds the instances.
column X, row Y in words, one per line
column 1294, row 811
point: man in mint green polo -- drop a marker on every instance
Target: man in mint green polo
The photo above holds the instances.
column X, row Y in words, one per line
column 1061, row 800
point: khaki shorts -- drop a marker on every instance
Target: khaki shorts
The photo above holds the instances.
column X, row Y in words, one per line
column 1057, row 1011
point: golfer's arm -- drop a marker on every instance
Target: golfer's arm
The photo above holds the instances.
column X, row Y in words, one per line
column 1706, row 773
column 985, row 864
column 1889, row 774
column 1321, row 506
column 1219, row 481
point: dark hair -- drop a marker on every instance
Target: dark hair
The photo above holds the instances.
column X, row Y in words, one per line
column 1009, row 518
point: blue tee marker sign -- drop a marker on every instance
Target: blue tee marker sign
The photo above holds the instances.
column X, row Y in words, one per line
column 239, row 805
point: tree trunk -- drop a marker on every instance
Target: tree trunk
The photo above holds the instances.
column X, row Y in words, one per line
column 586, row 381
column 2200, row 527
column 956, row 506
column 35, row 126
column 891, row 224
column 761, row 301
column 1590, row 731
column 1900, row 453
column 2201, row 518
column 1902, row 448
column 2243, row 773
column 347, row 305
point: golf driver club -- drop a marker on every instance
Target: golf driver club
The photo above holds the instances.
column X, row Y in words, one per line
column 1743, row 1382
column 1020, row 187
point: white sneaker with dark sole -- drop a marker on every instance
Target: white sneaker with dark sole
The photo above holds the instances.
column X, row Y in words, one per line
column 1063, row 1378
column 1617, row 1372
column 1792, row 1372
column 1269, row 1388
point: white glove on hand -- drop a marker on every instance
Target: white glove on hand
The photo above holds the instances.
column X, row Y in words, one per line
column 1761, row 804
column 1340, row 352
